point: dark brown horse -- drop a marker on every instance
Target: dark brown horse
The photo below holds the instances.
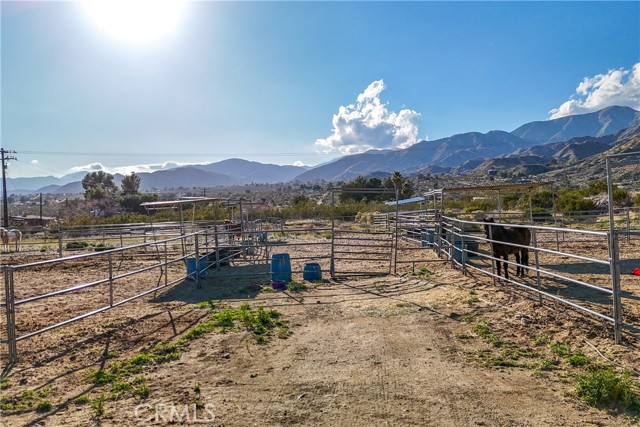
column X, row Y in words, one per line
column 516, row 235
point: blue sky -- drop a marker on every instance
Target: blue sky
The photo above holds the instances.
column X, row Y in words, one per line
column 306, row 82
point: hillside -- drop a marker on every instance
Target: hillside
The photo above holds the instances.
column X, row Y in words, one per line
column 464, row 152
column 604, row 122
column 246, row 172
column 594, row 167
column 533, row 148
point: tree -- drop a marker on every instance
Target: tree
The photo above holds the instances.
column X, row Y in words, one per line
column 300, row 199
column 404, row 187
column 130, row 184
column 131, row 202
column 98, row 185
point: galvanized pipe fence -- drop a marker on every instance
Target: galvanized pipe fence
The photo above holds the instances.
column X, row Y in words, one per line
column 200, row 256
column 380, row 250
column 554, row 272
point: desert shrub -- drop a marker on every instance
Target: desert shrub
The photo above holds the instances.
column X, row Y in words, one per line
column 573, row 200
column 620, row 197
column 76, row 245
column 603, row 386
column 480, row 205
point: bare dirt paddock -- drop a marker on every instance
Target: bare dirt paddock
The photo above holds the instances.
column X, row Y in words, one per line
column 386, row 351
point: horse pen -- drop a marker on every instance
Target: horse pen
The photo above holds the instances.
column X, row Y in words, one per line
column 398, row 323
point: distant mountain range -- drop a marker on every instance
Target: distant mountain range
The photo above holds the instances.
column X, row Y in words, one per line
column 224, row 173
column 448, row 155
column 536, row 148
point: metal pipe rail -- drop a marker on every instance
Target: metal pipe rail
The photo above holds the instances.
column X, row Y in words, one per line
column 549, row 251
column 91, row 313
column 455, row 230
column 11, row 303
column 554, row 297
column 547, row 272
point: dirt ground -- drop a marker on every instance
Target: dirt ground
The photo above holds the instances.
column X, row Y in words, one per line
column 385, row 351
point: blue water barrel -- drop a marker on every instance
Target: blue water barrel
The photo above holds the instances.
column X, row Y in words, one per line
column 428, row 238
column 312, row 271
column 191, row 267
column 459, row 254
column 281, row 267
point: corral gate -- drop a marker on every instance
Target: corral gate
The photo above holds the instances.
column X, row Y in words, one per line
column 372, row 249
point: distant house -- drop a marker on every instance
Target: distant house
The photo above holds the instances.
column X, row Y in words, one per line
column 32, row 220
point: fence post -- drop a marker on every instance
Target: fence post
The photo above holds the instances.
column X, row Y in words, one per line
column 463, row 253
column 615, row 282
column 198, row 285
column 332, row 265
column 395, row 238
column 266, row 251
column 166, row 265
column 614, row 259
column 216, row 239
column 438, row 233
column 11, row 315
column 60, row 242
column 534, row 239
column 493, row 261
column 110, row 279
column 451, row 238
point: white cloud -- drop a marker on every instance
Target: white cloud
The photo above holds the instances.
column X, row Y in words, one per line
column 369, row 125
column 617, row 87
column 91, row 167
column 35, row 162
column 126, row 170
column 298, row 163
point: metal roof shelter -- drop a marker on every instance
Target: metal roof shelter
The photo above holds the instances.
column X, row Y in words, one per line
column 406, row 201
column 434, row 194
column 172, row 204
column 180, row 202
column 508, row 186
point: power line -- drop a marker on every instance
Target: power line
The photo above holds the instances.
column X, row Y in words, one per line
column 147, row 154
column 5, row 204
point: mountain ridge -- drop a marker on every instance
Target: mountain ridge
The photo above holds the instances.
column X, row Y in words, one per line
column 580, row 135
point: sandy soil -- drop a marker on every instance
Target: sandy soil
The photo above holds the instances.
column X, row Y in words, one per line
column 393, row 350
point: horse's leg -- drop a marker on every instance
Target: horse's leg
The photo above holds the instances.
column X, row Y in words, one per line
column 497, row 261
column 506, row 260
column 525, row 260
column 518, row 264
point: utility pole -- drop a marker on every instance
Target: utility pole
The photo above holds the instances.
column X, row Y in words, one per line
column 5, row 203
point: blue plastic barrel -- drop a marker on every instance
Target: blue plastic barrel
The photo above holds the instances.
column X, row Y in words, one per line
column 312, row 271
column 428, row 238
column 281, row 267
column 459, row 252
column 191, row 267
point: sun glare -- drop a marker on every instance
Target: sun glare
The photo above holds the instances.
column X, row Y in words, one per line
column 135, row 21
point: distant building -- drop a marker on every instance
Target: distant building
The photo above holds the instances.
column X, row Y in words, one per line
column 32, row 220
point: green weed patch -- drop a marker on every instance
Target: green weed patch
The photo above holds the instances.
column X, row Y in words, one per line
column 603, row 386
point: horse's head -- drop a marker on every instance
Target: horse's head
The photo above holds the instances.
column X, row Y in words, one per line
column 486, row 226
